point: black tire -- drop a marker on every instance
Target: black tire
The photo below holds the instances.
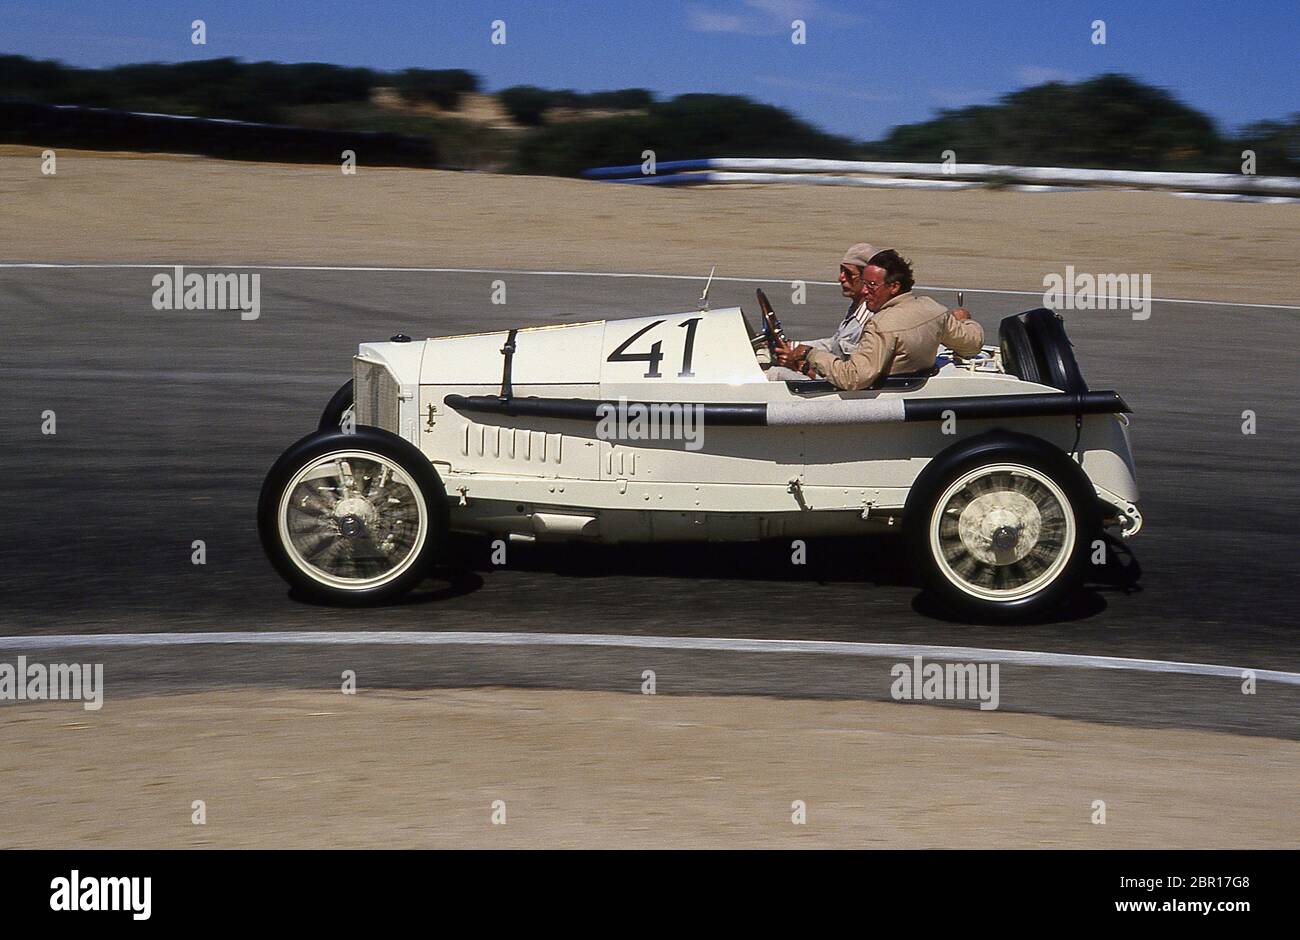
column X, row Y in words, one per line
column 373, row 552
column 344, row 400
column 1018, row 356
column 1036, row 576
column 1047, row 332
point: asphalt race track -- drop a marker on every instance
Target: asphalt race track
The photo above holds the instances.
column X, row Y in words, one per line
column 167, row 422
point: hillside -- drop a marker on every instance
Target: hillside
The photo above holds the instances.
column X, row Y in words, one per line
column 1111, row 121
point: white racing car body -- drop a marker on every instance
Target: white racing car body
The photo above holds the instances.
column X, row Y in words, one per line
column 1001, row 469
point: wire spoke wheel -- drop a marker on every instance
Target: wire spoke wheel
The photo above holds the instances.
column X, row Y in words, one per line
column 1002, row 532
column 352, row 520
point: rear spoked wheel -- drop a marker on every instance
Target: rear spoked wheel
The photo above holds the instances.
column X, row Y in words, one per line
column 1002, row 533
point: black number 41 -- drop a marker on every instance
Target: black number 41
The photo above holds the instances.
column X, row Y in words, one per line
column 655, row 355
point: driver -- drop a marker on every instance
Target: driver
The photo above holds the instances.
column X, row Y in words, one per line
column 845, row 338
column 902, row 337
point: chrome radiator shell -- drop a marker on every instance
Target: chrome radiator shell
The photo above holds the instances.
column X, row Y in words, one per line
column 375, row 391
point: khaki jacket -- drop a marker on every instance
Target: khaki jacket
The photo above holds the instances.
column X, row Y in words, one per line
column 903, row 336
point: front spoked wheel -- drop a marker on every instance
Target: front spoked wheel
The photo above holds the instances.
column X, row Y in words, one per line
column 352, row 517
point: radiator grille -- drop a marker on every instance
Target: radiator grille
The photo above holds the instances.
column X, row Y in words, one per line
column 375, row 391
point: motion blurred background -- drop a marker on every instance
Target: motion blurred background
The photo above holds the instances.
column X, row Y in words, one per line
column 523, row 88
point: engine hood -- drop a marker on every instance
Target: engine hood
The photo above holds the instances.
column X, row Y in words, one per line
column 401, row 359
column 544, row 355
column 715, row 348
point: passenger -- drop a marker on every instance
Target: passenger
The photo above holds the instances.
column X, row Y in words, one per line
column 902, row 336
column 845, row 338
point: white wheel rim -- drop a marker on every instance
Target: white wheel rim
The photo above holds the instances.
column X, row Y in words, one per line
column 352, row 520
column 1002, row 532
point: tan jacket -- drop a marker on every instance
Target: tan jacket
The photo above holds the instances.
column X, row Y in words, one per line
column 904, row 336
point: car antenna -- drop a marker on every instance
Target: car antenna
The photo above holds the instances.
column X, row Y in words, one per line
column 704, row 298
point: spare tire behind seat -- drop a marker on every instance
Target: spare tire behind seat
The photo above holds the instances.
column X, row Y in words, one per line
column 1055, row 352
column 1036, row 348
column 1018, row 356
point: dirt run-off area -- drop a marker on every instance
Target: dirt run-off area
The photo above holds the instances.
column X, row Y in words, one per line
column 174, row 209
column 612, row 770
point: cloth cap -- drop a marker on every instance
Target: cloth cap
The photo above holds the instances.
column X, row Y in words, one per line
column 859, row 255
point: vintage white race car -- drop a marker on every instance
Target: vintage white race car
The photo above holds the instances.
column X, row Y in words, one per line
column 1000, row 470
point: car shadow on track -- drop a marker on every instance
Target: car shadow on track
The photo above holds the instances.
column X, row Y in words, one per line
column 869, row 560
column 878, row 560
column 1084, row 604
column 446, row 584
column 1116, row 572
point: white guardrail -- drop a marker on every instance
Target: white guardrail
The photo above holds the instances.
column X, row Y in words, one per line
column 955, row 176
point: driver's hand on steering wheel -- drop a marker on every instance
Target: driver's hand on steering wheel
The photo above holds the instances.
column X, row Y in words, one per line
column 790, row 356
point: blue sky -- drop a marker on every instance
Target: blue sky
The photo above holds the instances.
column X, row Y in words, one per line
column 866, row 65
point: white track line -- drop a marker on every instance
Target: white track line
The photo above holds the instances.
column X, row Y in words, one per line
column 709, row 644
column 160, row 375
column 614, row 274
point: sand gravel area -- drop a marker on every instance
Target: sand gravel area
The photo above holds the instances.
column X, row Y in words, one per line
column 602, row 769
column 145, row 208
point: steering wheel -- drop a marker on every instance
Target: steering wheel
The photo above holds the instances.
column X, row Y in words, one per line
column 772, row 331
